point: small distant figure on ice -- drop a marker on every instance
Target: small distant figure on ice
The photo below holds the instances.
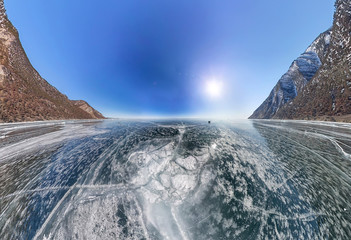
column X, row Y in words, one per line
column 209, row 122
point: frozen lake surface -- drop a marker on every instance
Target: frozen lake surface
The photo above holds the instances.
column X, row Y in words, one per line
column 175, row 180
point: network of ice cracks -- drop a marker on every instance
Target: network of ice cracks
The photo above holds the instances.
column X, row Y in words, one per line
column 158, row 180
column 167, row 176
column 199, row 182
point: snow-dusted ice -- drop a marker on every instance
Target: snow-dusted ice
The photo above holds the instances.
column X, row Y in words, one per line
column 175, row 180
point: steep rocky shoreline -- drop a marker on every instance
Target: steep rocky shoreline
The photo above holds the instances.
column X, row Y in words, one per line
column 295, row 79
column 327, row 96
column 24, row 94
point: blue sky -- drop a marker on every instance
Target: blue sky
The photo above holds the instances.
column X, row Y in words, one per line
column 155, row 57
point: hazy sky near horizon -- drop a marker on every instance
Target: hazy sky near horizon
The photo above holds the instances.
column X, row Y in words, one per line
column 156, row 58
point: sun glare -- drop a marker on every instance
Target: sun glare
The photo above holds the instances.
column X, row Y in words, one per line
column 214, row 88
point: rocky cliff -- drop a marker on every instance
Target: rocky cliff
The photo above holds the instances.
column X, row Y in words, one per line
column 295, row 79
column 327, row 96
column 87, row 108
column 329, row 92
column 24, row 94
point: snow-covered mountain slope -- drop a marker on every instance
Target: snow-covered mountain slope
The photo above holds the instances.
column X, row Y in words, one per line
column 299, row 74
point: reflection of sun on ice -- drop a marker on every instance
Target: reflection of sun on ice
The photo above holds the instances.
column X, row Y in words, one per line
column 213, row 88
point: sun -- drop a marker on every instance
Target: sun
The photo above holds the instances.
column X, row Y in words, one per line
column 213, row 88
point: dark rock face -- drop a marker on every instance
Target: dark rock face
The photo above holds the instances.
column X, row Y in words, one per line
column 328, row 93
column 24, row 94
column 299, row 74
